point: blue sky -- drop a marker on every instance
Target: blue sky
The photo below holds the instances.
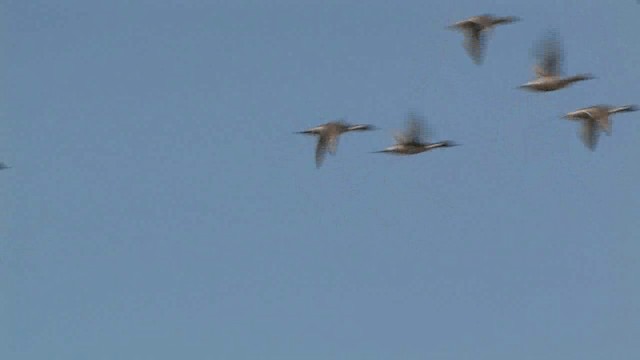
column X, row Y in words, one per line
column 159, row 206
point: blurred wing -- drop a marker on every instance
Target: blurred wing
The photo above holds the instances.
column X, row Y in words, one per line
column 605, row 124
column 332, row 145
column 401, row 138
column 415, row 130
column 549, row 53
column 590, row 134
column 321, row 149
column 474, row 44
column 539, row 70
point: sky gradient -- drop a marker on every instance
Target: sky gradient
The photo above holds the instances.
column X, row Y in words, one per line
column 159, row 205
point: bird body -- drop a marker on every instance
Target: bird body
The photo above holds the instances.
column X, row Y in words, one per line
column 548, row 70
column 552, row 83
column 328, row 135
column 411, row 149
column 595, row 119
column 412, row 141
column 475, row 30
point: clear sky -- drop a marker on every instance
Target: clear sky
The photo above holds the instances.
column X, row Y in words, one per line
column 160, row 206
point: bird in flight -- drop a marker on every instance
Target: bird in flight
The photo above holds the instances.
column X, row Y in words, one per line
column 476, row 30
column 328, row 135
column 548, row 70
column 595, row 119
column 414, row 140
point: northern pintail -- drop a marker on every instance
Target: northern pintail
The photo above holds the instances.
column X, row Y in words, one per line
column 548, row 70
column 328, row 136
column 414, row 140
column 595, row 119
column 475, row 31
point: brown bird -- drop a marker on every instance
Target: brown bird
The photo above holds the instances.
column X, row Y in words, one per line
column 476, row 29
column 548, row 70
column 595, row 119
column 414, row 140
column 328, row 136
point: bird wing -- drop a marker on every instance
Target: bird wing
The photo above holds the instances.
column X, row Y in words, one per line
column 590, row 134
column 549, row 53
column 401, row 138
column 415, row 130
column 540, row 71
column 332, row 145
column 604, row 124
column 321, row 149
column 474, row 43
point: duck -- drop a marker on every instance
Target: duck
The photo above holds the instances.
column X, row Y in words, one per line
column 475, row 31
column 413, row 141
column 595, row 119
column 4, row 166
column 548, row 70
column 328, row 135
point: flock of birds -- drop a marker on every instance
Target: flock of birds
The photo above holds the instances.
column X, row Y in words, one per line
column 476, row 29
column 548, row 77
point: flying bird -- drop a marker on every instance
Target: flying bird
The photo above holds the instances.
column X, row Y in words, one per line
column 476, row 29
column 414, row 140
column 595, row 119
column 328, row 135
column 4, row 166
column 548, row 70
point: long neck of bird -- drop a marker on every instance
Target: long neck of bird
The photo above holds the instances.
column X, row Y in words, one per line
column 622, row 109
